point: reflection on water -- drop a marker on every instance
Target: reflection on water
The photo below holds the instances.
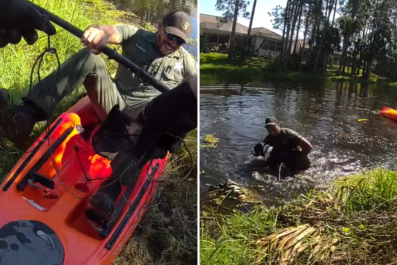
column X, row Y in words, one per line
column 153, row 11
column 327, row 115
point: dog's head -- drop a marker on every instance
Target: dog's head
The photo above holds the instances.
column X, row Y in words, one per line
column 263, row 150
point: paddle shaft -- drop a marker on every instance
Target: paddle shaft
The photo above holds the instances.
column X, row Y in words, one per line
column 112, row 54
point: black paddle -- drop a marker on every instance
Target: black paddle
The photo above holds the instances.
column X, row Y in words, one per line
column 112, row 54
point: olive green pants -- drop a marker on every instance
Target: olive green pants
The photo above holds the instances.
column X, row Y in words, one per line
column 83, row 68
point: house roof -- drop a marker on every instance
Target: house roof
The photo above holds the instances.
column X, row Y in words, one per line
column 265, row 32
column 213, row 24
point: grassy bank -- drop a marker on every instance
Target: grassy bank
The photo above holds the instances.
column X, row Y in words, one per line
column 353, row 222
column 167, row 233
column 216, row 63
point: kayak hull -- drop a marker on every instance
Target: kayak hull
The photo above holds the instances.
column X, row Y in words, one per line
column 73, row 172
column 389, row 113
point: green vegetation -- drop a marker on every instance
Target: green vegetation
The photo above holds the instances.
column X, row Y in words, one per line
column 210, row 141
column 363, row 34
column 257, row 68
column 359, row 35
column 352, row 222
column 218, row 63
column 167, row 233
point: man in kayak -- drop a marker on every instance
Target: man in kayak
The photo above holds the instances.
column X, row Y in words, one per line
column 172, row 113
column 289, row 147
column 161, row 54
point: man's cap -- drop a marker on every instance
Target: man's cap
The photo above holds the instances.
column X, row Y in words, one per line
column 271, row 121
column 179, row 24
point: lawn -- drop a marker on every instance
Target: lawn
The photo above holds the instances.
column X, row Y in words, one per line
column 257, row 68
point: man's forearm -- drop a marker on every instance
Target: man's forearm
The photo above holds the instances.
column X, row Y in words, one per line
column 111, row 31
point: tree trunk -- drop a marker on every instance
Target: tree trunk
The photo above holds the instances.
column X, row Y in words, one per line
column 286, row 51
column 346, row 40
column 313, row 35
column 342, row 57
column 326, row 24
column 251, row 20
column 304, row 36
column 299, row 25
column 295, row 18
column 250, row 27
column 315, row 29
column 332, row 25
column 354, row 59
column 325, row 63
column 232, row 36
column 361, row 57
column 344, row 64
column 370, row 56
column 333, row 18
column 353, row 69
column 284, row 28
column 368, row 68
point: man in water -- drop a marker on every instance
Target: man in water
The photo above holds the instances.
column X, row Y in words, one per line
column 289, row 147
column 161, row 54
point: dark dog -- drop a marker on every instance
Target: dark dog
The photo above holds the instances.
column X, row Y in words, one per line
column 273, row 157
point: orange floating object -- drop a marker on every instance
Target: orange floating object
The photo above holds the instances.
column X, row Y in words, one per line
column 43, row 221
column 389, row 113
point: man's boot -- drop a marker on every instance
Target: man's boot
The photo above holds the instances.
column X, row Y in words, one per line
column 17, row 121
column 104, row 202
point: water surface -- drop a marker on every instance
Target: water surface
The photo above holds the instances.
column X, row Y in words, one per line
column 326, row 115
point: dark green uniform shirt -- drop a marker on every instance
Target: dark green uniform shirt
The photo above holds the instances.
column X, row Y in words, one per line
column 140, row 47
column 287, row 139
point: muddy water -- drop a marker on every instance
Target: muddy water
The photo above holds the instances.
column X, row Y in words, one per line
column 327, row 115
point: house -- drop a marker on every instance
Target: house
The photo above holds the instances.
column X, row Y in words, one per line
column 218, row 32
column 266, row 42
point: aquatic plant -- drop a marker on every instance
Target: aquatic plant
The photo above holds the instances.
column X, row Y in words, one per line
column 210, row 141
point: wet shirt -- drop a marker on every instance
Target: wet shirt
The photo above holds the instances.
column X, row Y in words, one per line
column 287, row 139
column 140, row 47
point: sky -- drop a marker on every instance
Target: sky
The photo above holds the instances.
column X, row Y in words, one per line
column 261, row 16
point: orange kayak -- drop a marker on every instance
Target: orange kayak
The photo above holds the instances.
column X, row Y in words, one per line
column 45, row 196
column 389, row 113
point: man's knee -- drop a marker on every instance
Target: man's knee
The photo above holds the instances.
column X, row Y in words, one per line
column 87, row 59
column 137, row 112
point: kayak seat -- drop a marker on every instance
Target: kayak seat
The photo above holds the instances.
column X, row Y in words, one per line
column 113, row 136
